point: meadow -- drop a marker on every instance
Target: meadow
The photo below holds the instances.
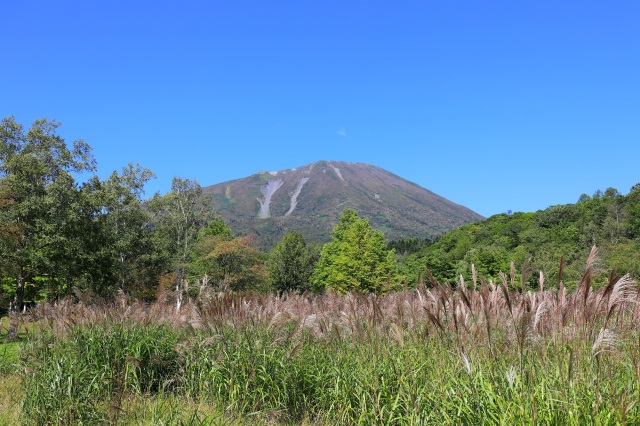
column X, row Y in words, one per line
column 475, row 353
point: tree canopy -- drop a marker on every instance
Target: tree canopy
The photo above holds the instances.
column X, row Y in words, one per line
column 58, row 237
column 291, row 263
column 356, row 259
column 39, row 194
column 540, row 240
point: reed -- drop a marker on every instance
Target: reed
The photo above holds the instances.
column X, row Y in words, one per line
column 487, row 354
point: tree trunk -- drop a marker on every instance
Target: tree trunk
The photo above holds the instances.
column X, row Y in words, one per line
column 16, row 306
column 178, row 296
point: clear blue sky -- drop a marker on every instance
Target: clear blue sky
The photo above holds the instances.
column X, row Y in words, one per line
column 495, row 105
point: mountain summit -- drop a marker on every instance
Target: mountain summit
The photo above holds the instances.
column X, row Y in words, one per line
column 311, row 198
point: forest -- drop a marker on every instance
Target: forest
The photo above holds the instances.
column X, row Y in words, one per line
column 537, row 241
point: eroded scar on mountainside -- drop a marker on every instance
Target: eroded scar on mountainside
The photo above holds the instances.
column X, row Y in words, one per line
column 268, row 189
column 294, row 197
column 337, row 170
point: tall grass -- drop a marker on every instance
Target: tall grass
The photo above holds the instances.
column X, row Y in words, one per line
column 491, row 353
column 84, row 377
column 10, row 384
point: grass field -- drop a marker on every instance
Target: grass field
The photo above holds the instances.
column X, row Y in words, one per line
column 486, row 353
column 10, row 381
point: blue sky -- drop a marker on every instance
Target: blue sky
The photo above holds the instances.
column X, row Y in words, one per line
column 495, row 105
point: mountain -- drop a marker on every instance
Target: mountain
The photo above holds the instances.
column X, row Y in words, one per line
column 311, row 198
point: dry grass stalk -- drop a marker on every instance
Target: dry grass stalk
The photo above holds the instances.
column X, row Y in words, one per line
column 488, row 315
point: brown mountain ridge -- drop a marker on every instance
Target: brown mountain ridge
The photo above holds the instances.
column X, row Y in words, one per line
column 311, row 198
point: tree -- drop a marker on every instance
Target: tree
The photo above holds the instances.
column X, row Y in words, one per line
column 632, row 207
column 40, row 194
column 10, row 236
column 356, row 259
column 227, row 262
column 230, row 264
column 179, row 215
column 120, row 250
column 291, row 263
column 217, row 229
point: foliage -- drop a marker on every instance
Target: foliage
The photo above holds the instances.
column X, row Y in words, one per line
column 537, row 241
column 227, row 263
column 234, row 264
column 407, row 246
column 291, row 263
column 59, row 238
column 356, row 259
column 116, row 240
column 38, row 202
column 632, row 210
column 178, row 217
column 217, row 229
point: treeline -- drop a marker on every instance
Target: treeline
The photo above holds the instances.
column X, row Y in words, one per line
column 61, row 238
column 540, row 241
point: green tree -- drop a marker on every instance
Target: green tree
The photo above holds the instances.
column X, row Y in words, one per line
column 632, row 208
column 230, row 264
column 356, row 259
column 178, row 216
column 291, row 263
column 36, row 175
column 203, row 263
column 10, row 236
column 217, row 229
column 120, row 250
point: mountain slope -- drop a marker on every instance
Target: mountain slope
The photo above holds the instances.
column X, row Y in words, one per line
column 311, row 198
column 537, row 241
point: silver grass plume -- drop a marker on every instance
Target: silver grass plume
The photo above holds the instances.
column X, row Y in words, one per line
column 605, row 342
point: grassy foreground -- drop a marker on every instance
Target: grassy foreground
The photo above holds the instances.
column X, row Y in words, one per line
column 487, row 354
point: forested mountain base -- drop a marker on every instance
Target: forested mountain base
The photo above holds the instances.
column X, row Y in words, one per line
column 538, row 242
